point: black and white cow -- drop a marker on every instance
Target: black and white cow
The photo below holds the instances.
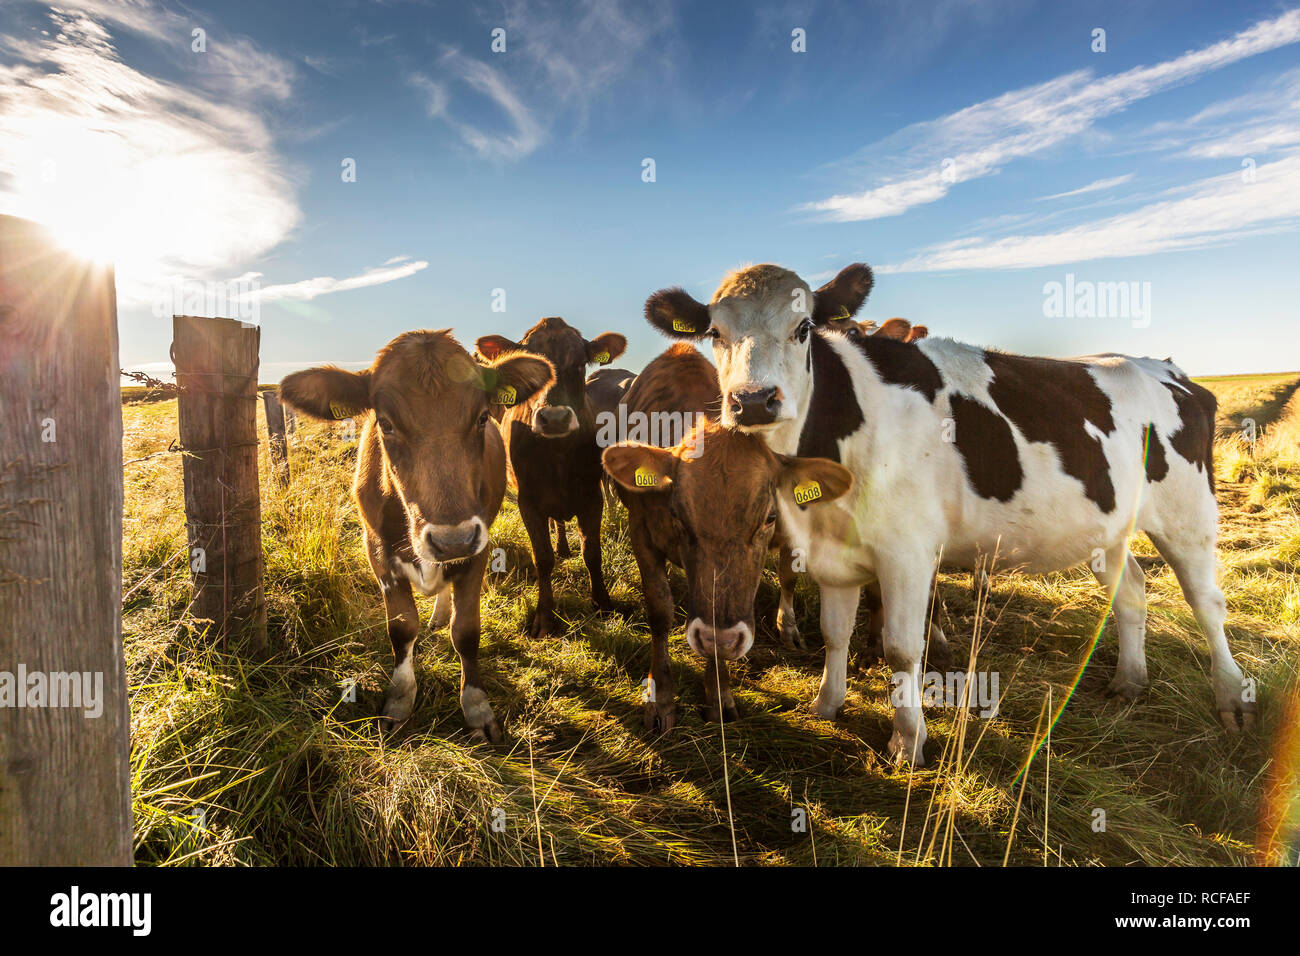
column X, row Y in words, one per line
column 959, row 452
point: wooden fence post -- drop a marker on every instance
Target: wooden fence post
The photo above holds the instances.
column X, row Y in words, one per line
column 216, row 371
column 275, row 433
column 65, row 792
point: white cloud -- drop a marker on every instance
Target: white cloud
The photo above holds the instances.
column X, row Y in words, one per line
column 980, row 139
column 1212, row 211
column 162, row 178
column 1096, row 186
column 560, row 59
column 308, row 289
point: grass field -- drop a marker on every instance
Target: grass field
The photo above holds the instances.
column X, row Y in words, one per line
column 239, row 763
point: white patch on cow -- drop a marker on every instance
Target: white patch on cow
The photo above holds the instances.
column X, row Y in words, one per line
column 474, row 704
column 425, row 576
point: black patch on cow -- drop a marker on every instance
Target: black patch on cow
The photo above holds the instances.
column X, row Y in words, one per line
column 833, row 412
column 1051, row 401
column 1194, row 439
column 1156, row 465
column 988, row 448
column 901, row 363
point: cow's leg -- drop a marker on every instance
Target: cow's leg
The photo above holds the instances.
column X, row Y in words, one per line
column 442, row 608
column 1193, row 561
column 839, row 610
column 562, row 551
column 719, row 706
column 466, row 592
column 875, row 649
column 593, row 509
column 543, row 623
column 660, row 695
column 1125, row 584
column 403, row 628
column 785, row 620
column 906, row 602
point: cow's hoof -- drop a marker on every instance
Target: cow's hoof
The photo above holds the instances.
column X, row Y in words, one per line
column 397, row 710
column 1125, row 688
column 543, row 624
column 1243, row 717
column 489, row 733
column 660, row 718
column 826, row 708
column 901, row 753
column 791, row 639
column 724, row 715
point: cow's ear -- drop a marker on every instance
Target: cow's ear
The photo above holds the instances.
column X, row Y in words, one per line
column 327, row 392
column 639, row 467
column 894, row 329
column 675, row 313
column 810, row 481
column 491, row 347
column 843, row 296
column 918, row 332
column 516, row 378
column 604, row 348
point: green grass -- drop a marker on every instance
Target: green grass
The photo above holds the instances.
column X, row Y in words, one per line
column 268, row 763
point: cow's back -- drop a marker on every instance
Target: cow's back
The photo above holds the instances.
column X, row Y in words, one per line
column 679, row 381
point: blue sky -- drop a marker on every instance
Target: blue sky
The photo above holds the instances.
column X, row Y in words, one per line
column 972, row 152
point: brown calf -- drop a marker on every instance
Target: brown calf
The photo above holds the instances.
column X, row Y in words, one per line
column 554, row 462
column 431, row 473
column 709, row 505
column 895, row 328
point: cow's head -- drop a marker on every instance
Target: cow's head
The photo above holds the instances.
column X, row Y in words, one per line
column 426, row 405
column 761, row 321
column 895, row 328
column 555, row 414
column 722, row 488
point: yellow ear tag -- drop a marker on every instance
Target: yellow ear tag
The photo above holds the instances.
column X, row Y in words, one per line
column 341, row 410
column 679, row 325
column 808, row 491
column 844, row 313
column 646, row 477
column 505, row 395
column 600, row 358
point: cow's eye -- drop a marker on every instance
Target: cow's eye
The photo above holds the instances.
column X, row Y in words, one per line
column 771, row 519
column 483, row 420
column 386, row 427
column 805, row 327
column 714, row 334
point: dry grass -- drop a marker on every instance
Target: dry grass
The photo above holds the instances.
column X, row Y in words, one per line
column 259, row 764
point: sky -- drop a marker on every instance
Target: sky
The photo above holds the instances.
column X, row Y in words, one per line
column 340, row 171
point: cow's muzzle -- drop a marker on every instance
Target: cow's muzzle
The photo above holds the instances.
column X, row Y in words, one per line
column 555, row 421
column 727, row 643
column 449, row 543
column 753, row 406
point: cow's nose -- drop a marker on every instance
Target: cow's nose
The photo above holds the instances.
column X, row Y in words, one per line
column 452, row 542
column 755, row 406
column 727, row 643
column 554, row 419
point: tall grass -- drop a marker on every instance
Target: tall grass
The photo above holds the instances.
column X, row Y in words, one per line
column 281, row 762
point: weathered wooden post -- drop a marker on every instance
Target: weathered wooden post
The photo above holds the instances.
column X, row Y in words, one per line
column 216, row 371
column 275, row 433
column 65, row 793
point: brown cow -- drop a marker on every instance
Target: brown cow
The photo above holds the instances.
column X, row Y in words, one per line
column 431, row 473
column 554, row 462
column 709, row 505
column 895, row 328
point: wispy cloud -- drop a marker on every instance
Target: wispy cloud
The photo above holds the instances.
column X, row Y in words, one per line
column 1210, row 212
column 560, row 58
column 165, row 178
column 307, row 289
column 1096, row 186
column 981, row 139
